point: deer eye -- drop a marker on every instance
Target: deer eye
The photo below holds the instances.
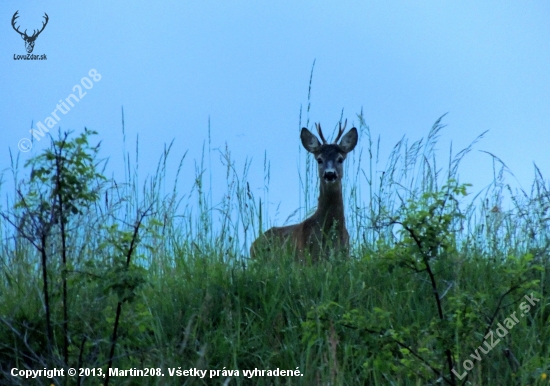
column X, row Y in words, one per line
column 340, row 160
column 319, row 161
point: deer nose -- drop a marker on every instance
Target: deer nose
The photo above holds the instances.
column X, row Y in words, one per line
column 330, row 176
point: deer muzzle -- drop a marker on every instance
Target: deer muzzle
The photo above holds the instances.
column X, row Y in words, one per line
column 330, row 175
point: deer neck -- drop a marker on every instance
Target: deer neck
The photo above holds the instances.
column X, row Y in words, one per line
column 331, row 204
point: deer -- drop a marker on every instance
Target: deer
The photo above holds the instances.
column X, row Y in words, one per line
column 314, row 238
column 29, row 40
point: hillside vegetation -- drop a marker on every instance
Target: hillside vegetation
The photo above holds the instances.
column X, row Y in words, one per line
column 442, row 287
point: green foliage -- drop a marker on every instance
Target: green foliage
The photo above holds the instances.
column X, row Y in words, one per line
column 151, row 285
column 428, row 224
column 62, row 178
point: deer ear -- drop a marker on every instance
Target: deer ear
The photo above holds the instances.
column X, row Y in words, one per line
column 310, row 141
column 349, row 141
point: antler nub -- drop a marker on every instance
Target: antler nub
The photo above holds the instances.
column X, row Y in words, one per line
column 318, row 126
column 340, row 130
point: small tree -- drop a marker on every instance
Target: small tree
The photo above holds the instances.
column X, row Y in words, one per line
column 63, row 183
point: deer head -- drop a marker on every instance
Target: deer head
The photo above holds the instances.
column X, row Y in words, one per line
column 330, row 156
column 29, row 40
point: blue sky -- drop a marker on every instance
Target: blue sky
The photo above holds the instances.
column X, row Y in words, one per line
column 245, row 66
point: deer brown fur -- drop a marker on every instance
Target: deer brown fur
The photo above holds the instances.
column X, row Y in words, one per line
column 325, row 230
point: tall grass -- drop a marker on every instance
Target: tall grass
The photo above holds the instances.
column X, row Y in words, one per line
column 171, row 270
